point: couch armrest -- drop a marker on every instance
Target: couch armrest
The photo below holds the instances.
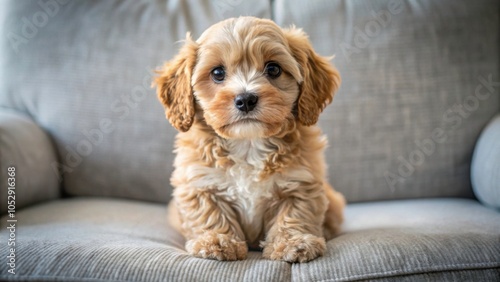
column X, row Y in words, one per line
column 25, row 146
column 485, row 168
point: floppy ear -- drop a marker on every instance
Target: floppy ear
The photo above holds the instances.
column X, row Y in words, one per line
column 174, row 86
column 320, row 78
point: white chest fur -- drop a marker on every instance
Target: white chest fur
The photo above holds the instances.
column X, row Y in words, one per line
column 248, row 193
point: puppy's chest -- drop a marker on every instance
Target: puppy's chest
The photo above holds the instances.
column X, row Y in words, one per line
column 248, row 193
column 246, row 186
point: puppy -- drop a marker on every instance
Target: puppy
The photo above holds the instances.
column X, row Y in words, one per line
column 249, row 169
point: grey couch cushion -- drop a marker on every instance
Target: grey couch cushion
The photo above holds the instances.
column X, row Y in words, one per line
column 112, row 240
column 444, row 239
column 84, row 75
column 411, row 72
column 485, row 171
column 25, row 147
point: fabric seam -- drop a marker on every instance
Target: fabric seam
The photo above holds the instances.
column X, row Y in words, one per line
column 446, row 268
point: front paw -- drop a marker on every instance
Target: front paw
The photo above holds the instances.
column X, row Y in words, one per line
column 217, row 246
column 296, row 248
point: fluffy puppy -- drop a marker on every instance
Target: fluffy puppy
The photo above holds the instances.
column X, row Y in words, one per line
column 249, row 169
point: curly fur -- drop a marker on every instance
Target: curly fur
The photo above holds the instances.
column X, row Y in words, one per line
column 256, row 179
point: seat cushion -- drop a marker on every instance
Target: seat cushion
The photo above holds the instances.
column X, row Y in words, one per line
column 114, row 240
column 118, row 240
column 430, row 240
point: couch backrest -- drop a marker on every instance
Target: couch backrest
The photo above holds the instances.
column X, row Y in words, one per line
column 403, row 124
column 416, row 93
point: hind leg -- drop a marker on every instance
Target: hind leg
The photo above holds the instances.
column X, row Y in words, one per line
column 335, row 212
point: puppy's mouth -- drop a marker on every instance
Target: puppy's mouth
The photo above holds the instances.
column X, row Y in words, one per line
column 242, row 121
column 251, row 128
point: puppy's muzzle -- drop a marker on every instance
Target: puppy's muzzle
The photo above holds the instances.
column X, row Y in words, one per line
column 246, row 102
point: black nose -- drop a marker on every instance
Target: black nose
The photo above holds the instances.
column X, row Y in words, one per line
column 246, row 102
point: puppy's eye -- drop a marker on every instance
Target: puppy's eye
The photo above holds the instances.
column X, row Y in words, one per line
column 218, row 74
column 273, row 70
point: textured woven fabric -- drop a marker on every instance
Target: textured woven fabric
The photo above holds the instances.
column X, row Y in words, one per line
column 485, row 171
column 27, row 148
column 402, row 238
column 85, row 76
column 451, row 276
column 419, row 83
column 112, row 240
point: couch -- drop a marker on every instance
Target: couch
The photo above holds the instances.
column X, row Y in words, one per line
column 86, row 153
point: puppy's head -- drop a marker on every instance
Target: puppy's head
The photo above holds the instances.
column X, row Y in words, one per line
column 247, row 78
